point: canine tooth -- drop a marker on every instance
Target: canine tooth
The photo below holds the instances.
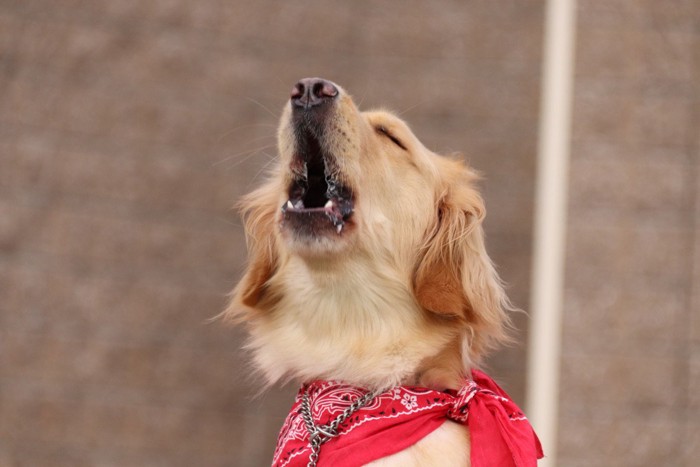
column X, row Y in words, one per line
column 290, row 205
column 339, row 227
column 329, row 204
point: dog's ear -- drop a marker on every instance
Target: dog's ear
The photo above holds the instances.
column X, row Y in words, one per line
column 455, row 277
column 258, row 210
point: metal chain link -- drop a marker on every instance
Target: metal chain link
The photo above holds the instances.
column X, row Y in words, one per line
column 319, row 434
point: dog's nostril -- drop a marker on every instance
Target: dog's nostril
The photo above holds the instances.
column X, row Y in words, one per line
column 324, row 89
column 310, row 92
column 298, row 90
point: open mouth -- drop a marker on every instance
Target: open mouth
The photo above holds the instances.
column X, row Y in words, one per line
column 317, row 199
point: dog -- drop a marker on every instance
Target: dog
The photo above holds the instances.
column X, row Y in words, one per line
column 367, row 266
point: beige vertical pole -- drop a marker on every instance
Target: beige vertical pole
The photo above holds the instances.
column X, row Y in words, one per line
column 550, row 223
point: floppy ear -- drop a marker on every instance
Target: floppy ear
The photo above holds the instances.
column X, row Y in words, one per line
column 455, row 277
column 258, row 210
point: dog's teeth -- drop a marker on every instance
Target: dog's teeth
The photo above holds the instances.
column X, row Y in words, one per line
column 290, row 205
column 329, row 204
column 339, row 227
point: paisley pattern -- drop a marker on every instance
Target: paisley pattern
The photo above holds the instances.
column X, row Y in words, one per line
column 401, row 416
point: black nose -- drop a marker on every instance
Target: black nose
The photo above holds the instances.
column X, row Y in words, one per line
column 310, row 92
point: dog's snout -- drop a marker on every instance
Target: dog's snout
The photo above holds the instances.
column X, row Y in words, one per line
column 310, row 92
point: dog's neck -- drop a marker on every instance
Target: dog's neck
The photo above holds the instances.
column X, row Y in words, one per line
column 360, row 325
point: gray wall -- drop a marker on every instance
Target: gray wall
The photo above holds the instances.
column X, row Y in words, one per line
column 127, row 130
column 631, row 355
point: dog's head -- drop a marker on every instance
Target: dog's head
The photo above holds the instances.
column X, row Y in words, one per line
column 357, row 207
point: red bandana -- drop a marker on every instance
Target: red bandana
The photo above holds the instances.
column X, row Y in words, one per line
column 398, row 418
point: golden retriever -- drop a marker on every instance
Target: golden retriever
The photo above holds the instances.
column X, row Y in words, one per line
column 367, row 262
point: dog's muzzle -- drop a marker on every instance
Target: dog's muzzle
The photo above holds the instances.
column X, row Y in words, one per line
column 318, row 200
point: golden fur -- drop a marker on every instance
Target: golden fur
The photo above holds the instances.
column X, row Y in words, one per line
column 405, row 294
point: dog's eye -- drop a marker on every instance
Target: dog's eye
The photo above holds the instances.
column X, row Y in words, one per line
column 383, row 131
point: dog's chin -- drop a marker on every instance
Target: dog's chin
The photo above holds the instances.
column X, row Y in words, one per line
column 316, row 232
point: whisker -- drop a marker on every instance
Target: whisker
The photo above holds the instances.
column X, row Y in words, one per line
column 250, row 153
column 409, row 108
column 253, row 150
column 241, row 127
column 259, row 138
column 272, row 158
column 276, row 115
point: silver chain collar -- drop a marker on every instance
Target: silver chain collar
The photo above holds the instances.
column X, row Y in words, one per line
column 319, row 434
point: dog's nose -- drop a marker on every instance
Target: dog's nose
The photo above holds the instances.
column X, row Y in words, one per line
column 310, row 92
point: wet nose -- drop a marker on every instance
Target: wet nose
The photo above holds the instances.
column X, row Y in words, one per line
column 310, row 92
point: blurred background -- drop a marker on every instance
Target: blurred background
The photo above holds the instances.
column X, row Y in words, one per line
column 129, row 128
